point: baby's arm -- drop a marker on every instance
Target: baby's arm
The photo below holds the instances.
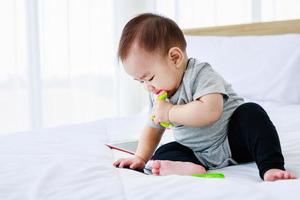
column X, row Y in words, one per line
column 148, row 142
column 204, row 111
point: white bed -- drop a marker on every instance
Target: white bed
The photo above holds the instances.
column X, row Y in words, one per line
column 72, row 162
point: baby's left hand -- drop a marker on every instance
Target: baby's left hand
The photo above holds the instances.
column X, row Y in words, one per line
column 161, row 111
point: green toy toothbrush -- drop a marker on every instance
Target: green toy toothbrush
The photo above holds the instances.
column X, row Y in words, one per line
column 209, row 175
column 163, row 95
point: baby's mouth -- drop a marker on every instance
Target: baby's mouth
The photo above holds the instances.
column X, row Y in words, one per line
column 158, row 92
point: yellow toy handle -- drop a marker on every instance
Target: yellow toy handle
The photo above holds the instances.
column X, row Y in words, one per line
column 163, row 97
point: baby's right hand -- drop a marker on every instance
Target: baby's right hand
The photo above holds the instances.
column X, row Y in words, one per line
column 133, row 163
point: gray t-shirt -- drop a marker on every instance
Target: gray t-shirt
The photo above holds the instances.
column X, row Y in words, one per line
column 209, row 143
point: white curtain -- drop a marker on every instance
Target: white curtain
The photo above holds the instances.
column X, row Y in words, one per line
column 58, row 62
column 58, row 57
column 77, row 49
column 14, row 80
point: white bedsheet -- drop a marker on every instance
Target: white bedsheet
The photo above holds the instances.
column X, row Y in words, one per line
column 71, row 162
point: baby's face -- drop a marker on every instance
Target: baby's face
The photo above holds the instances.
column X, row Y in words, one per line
column 152, row 70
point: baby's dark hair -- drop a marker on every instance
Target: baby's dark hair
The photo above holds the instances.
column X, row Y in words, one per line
column 151, row 32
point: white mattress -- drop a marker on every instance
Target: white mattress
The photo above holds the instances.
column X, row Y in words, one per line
column 71, row 162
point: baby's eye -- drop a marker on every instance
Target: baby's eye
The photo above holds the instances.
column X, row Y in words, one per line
column 151, row 78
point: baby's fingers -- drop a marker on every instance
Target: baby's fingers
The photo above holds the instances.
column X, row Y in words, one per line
column 135, row 165
column 120, row 162
column 125, row 163
column 116, row 163
column 156, row 120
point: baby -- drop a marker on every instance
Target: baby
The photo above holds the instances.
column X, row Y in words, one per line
column 213, row 127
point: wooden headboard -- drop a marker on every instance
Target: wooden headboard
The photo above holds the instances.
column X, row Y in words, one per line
column 263, row 28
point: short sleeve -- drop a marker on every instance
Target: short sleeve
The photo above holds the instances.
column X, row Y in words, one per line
column 149, row 121
column 207, row 81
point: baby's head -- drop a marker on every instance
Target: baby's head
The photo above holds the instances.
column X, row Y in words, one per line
column 153, row 51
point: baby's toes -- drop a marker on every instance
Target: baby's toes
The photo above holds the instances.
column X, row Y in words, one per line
column 155, row 172
column 156, row 164
column 281, row 175
column 286, row 175
column 291, row 175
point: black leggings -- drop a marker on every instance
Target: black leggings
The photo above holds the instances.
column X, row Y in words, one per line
column 252, row 137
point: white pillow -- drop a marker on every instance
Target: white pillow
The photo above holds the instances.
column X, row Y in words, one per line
column 258, row 67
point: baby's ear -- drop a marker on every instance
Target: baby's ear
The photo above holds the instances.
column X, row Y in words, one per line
column 176, row 56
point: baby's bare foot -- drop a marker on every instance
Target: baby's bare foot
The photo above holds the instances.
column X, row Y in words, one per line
column 166, row 167
column 278, row 174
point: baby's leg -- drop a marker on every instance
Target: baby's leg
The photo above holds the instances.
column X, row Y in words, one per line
column 253, row 137
column 174, row 158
